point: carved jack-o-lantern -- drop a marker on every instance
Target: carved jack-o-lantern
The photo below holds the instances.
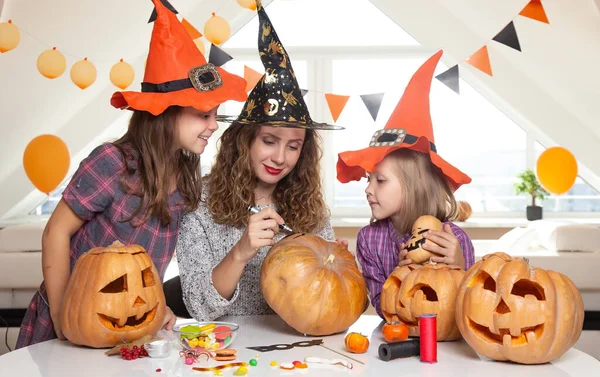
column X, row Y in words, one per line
column 416, row 289
column 416, row 253
column 507, row 310
column 114, row 295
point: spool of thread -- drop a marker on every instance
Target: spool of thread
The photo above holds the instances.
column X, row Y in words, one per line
column 428, row 336
column 407, row 348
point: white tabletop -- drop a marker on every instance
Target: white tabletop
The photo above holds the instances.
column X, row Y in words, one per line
column 60, row 358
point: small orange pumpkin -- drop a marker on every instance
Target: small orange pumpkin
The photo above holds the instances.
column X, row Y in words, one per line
column 356, row 343
column 464, row 211
column 114, row 295
column 394, row 331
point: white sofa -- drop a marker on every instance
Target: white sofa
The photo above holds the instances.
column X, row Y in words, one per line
column 20, row 272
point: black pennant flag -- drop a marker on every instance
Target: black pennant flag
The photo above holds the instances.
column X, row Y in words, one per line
column 450, row 78
column 508, row 36
column 217, row 56
column 373, row 103
column 167, row 5
column 303, row 91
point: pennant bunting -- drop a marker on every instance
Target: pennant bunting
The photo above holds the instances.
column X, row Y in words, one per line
column 252, row 77
column 450, row 78
column 373, row 103
column 481, row 61
column 336, row 104
column 191, row 30
column 166, row 4
column 217, row 56
column 535, row 10
column 303, row 91
column 508, row 37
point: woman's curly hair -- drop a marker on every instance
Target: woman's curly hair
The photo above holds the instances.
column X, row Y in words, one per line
column 232, row 181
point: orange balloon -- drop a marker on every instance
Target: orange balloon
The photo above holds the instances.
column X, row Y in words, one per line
column 83, row 73
column 217, row 30
column 9, row 36
column 248, row 4
column 46, row 161
column 51, row 63
column 556, row 170
column 122, row 74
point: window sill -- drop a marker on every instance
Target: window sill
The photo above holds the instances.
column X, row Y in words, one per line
column 474, row 222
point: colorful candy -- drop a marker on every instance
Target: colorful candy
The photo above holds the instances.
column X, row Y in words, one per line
column 220, row 367
column 273, row 363
column 253, row 362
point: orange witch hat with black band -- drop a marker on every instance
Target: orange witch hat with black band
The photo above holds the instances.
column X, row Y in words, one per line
column 409, row 127
column 178, row 74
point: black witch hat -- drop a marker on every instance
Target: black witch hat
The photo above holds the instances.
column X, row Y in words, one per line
column 276, row 100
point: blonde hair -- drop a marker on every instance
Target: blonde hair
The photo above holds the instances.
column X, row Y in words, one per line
column 425, row 189
column 231, row 183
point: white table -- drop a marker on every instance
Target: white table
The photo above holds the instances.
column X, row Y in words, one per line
column 60, row 358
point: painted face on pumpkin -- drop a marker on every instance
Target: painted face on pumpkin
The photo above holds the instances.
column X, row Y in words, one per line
column 509, row 311
column 414, row 246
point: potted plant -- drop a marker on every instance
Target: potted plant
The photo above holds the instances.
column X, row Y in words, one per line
column 529, row 185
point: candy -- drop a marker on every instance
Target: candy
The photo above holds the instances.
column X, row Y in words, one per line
column 189, row 361
column 301, row 366
column 241, row 371
column 273, row 363
column 253, row 362
column 222, row 332
column 219, row 367
column 287, row 366
column 296, row 362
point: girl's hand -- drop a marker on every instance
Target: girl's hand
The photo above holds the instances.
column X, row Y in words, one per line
column 169, row 320
column 342, row 242
column 261, row 229
column 56, row 322
column 447, row 246
column 403, row 261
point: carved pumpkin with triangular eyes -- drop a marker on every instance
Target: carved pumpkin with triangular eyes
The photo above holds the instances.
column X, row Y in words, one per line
column 114, row 295
column 417, row 289
column 507, row 310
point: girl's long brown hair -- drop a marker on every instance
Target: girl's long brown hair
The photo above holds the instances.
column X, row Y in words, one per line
column 232, row 181
column 149, row 140
column 425, row 189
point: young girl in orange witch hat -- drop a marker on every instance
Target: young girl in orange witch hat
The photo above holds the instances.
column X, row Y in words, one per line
column 136, row 189
column 407, row 178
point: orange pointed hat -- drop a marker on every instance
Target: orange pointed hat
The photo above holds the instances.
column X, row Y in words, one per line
column 409, row 127
column 178, row 74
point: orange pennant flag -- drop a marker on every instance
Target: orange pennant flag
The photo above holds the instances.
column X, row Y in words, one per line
column 481, row 60
column 336, row 104
column 535, row 10
column 252, row 78
column 191, row 30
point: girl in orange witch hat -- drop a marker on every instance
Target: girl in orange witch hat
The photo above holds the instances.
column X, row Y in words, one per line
column 407, row 179
column 137, row 189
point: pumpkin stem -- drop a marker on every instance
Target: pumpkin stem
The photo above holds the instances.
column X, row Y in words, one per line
column 117, row 243
column 330, row 258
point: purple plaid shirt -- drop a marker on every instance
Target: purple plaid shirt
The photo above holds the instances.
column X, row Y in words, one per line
column 377, row 251
column 96, row 196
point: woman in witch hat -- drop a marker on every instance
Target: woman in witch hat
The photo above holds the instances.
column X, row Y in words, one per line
column 407, row 179
column 136, row 189
column 268, row 158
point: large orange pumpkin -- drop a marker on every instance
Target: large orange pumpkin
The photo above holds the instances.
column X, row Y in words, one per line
column 314, row 285
column 114, row 295
column 416, row 289
column 507, row 310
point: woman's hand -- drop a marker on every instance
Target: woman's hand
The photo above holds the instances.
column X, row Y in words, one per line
column 261, row 229
column 446, row 245
column 403, row 260
column 169, row 320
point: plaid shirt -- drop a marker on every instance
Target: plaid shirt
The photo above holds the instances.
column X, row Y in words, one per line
column 377, row 250
column 96, row 196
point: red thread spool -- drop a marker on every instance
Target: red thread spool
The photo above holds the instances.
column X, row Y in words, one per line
column 428, row 337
